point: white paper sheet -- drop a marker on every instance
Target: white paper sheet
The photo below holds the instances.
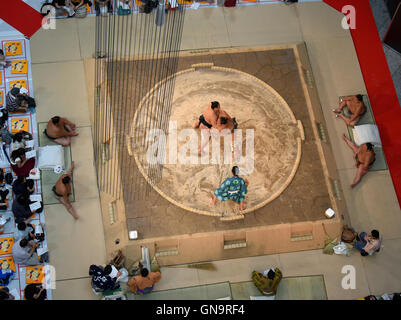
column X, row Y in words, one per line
column 41, row 251
column 34, row 206
column 29, row 143
column 35, row 197
column 30, row 154
column 15, row 294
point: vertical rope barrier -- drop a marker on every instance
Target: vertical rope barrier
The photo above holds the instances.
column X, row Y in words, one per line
column 132, row 54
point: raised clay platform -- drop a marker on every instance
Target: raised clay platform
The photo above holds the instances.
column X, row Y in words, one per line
column 291, row 222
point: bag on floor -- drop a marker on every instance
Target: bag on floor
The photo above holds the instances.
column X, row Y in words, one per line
column 348, row 235
column 341, row 248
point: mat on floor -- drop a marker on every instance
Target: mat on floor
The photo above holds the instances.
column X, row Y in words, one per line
column 368, row 118
column 290, row 288
column 48, row 177
column 205, row 292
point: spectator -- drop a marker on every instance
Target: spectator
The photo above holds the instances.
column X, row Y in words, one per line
column 17, row 102
column 101, row 6
column 63, row 8
column 19, row 140
column 3, row 118
column 60, row 130
column 3, row 198
column 103, row 278
column 124, row 7
column 20, row 164
column 35, row 291
column 78, row 3
column 24, row 231
column 24, row 186
column 21, row 209
column 5, row 294
column 368, row 244
column 144, row 283
column 24, row 252
column 3, row 62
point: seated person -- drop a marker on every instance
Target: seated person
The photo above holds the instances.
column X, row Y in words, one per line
column 268, row 282
column 21, row 209
column 356, row 109
column 99, row 4
column 368, row 244
column 63, row 8
column 124, row 7
column 24, row 231
column 60, row 130
column 144, row 282
column 5, row 294
column 23, row 252
column 20, row 164
column 35, row 291
column 3, row 62
column 3, row 117
column 3, row 198
column 17, row 102
column 233, row 188
column 79, row 3
column 19, row 140
column 364, row 157
column 24, row 186
column 62, row 189
column 103, row 278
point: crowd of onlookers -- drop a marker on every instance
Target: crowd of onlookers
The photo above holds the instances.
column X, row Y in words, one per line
column 80, row 8
column 17, row 186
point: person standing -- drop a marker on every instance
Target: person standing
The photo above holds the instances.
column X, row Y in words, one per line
column 234, row 188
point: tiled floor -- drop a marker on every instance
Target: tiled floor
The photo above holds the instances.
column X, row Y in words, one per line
column 60, row 87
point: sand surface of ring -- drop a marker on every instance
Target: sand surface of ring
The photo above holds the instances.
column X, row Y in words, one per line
column 256, row 106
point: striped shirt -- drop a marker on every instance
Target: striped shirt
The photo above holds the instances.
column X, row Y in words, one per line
column 12, row 103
